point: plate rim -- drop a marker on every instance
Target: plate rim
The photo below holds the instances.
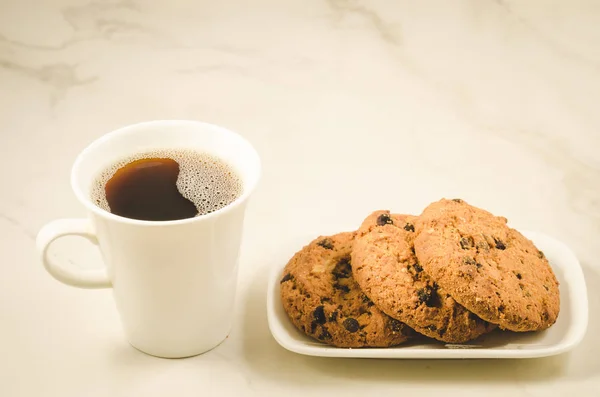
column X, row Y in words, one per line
column 574, row 335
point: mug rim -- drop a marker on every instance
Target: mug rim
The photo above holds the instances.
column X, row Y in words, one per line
column 85, row 200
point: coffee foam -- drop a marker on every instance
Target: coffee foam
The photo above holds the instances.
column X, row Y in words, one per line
column 204, row 179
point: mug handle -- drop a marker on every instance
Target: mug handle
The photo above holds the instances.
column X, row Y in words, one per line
column 74, row 276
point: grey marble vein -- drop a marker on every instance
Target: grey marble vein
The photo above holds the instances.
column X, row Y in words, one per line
column 60, row 76
column 555, row 45
column 211, row 68
column 97, row 20
column 17, row 225
column 72, row 13
column 87, row 23
column 374, row 20
column 37, row 47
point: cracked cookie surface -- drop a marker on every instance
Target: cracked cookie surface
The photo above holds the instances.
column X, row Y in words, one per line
column 322, row 299
column 488, row 267
column 387, row 270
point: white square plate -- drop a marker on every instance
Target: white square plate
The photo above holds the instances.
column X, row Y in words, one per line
column 564, row 335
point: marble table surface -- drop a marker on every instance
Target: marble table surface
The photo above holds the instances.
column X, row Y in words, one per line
column 353, row 106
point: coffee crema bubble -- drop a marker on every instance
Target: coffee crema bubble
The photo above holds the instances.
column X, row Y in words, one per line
column 167, row 184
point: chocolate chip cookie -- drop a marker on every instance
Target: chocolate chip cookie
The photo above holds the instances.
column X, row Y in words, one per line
column 491, row 269
column 388, row 272
column 323, row 300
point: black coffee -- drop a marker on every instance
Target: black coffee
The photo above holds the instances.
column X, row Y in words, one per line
column 166, row 185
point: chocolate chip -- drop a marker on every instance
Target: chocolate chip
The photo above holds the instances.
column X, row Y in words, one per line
column 341, row 287
column 344, row 261
column 323, row 300
column 412, row 249
column 396, row 325
column 313, row 327
column 545, row 316
column 519, row 276
column 384, row 219
column 319, row 315
column 428, row 296
column 326, row 243
column 351, row 324
column 467, row 242
column 324, row 334
column 418, row 268
column 342, row 268
column 415, row 274
column 341, row 273
column 479, row 265
column 457, row 200
column 499, row 244
column 409, row 227
column 432, row 328
column 501, row 308
column 333, row 317
column 287, row 277
column 541, row 255
column 424, row 295
column 442, row 331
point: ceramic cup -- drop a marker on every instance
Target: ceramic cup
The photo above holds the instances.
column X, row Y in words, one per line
column 173, row 282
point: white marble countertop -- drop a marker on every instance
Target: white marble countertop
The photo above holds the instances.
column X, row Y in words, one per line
column 353, row 106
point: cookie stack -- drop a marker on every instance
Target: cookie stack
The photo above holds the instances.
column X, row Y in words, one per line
column 453, row 273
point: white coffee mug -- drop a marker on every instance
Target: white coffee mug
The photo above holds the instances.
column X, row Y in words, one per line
column 174, row 282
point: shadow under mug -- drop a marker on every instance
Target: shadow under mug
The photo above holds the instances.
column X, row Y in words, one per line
column 174, row 282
